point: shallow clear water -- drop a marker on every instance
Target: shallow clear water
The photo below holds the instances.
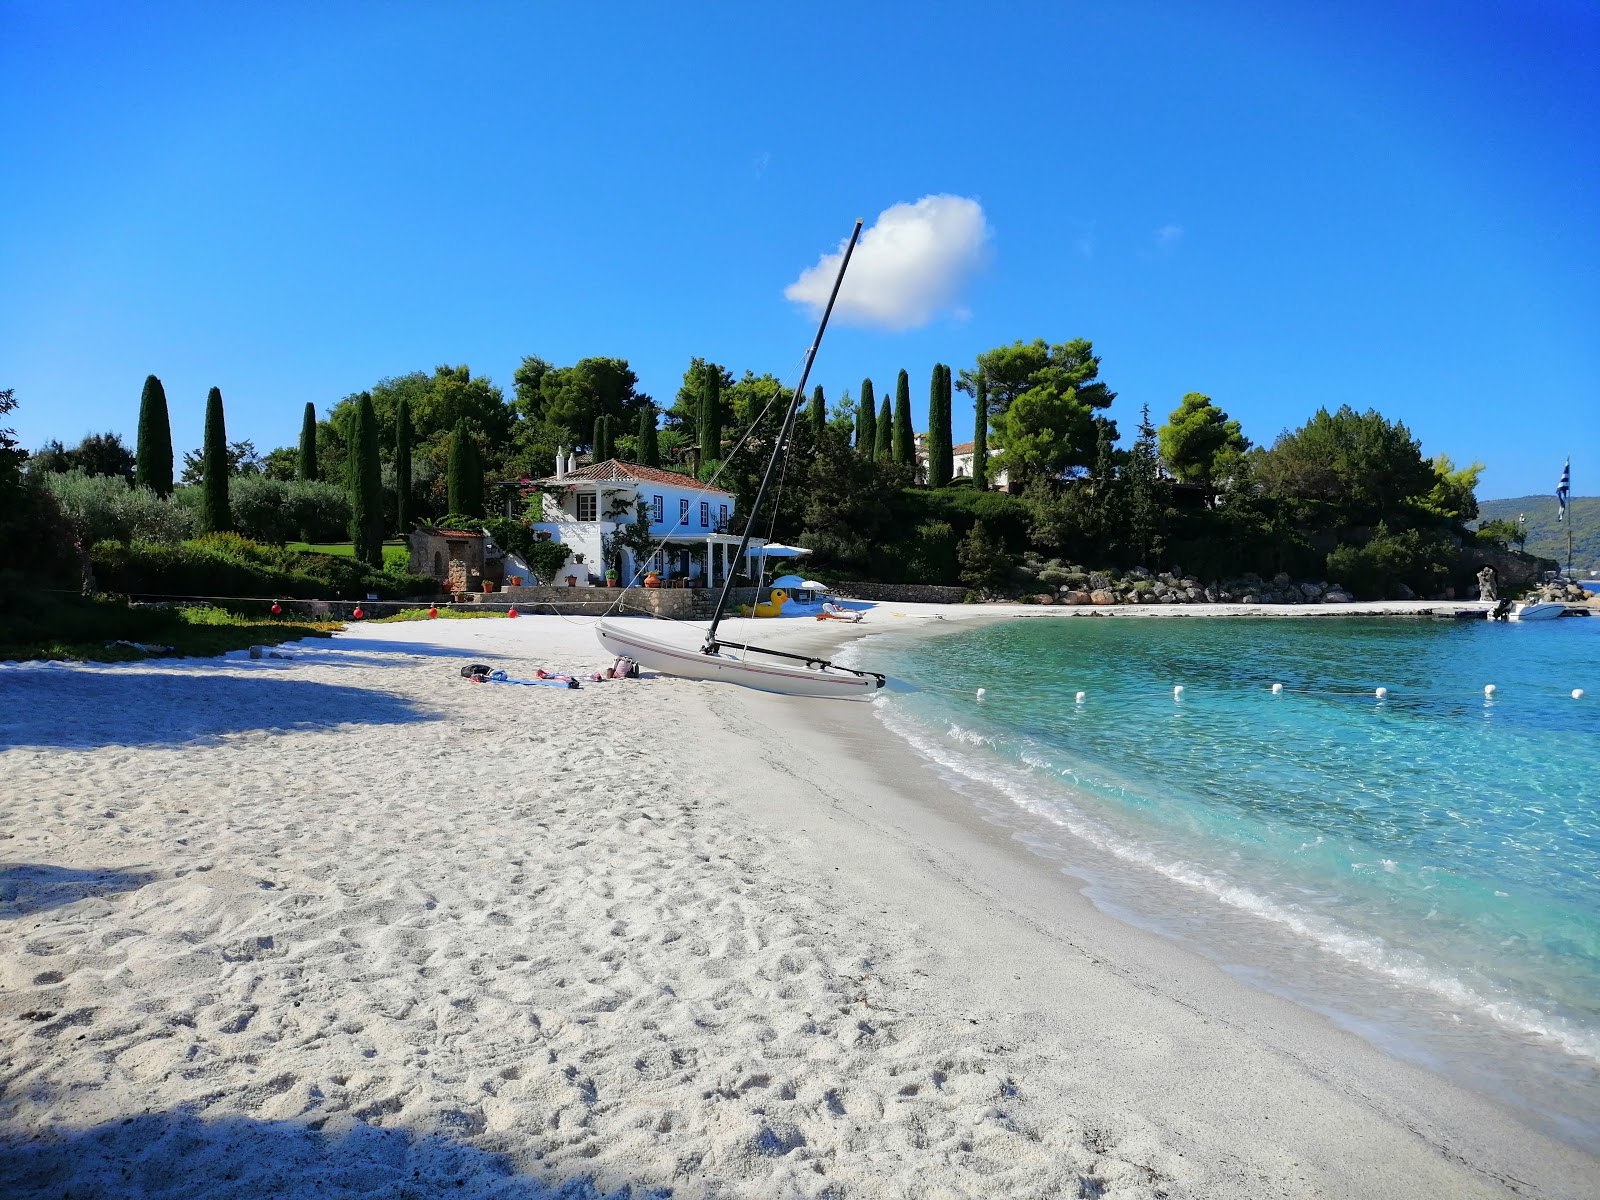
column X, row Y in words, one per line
column 1424, row 867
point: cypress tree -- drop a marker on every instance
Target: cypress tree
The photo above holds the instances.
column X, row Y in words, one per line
column 905, row 438
column 649, row 446
column 980, row 435
column 152, row 464
column 818, row 412
column 597, row 444
column 464, row 473
column 402, row 468
column 883, row 435
column 867, row 426
column 711, row 418
column 214, row 515
column 938, row 428
column 306, row 469
column 365, row 484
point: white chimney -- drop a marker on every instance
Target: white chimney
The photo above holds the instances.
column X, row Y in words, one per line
column 572, row 461
column 561, row 464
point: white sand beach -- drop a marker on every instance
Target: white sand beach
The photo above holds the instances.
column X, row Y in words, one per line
column 348, row 924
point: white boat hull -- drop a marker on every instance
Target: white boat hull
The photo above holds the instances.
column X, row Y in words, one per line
column 765, row 675
column 1538, row 612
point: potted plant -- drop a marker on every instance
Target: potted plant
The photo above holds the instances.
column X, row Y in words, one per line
column 572, row 581
column 611, row 577
column 652, row 580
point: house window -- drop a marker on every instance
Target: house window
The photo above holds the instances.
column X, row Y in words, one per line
column 587, row 502
column 705, row 514
column 658, row 510
column 722, row 516
column 683, row 512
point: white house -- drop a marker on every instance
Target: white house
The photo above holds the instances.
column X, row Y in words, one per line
column 583, row 506
column 960, row 463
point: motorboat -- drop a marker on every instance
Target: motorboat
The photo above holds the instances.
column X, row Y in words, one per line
column 1538, row 610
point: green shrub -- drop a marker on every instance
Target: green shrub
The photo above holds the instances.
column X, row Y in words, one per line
column 287, row 510
column 225, row 564
column 547, row 560
column 1422, row 561
column 98, row 507
column 510, row 535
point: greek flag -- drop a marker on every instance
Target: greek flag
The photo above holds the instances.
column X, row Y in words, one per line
column 1562, row 489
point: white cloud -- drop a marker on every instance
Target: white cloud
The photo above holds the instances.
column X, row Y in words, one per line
column 909, row 267
column 1168, row 235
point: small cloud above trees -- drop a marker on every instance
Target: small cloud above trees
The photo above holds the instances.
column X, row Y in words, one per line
column 911, row 265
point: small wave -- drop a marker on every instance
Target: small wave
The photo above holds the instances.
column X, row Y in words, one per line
column 1365, row 951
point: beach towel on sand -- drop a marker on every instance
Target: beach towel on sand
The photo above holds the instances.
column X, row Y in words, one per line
column 479, row 673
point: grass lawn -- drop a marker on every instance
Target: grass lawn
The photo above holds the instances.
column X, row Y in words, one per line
column 396, row 555
column 79, row 629
column 445, row 614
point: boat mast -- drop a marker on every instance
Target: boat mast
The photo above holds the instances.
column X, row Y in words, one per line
column 783, row 438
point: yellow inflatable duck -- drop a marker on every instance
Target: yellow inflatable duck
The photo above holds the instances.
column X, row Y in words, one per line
column 766, row 609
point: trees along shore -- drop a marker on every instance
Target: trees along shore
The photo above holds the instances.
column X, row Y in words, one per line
column 1347, row 497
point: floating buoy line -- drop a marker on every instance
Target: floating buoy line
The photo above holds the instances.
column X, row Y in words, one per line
column 1490, row 692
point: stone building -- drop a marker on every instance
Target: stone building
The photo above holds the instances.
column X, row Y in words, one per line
column 455, row 557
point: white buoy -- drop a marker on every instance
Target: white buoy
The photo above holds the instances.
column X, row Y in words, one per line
column 1577, row 693
column 980, row 693
column 1277, row 689
column 1177, row 692
column 1488, row 689
column 1081, row 695
column 1381, row 693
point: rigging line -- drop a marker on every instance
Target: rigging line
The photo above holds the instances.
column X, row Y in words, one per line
column 716, row 475
column 783, row 435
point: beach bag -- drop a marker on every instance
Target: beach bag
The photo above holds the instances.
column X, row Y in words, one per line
column 624, row 668
column 475, row 671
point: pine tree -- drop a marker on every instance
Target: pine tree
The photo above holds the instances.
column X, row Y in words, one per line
column 980, row 435
column 402, row 468
column 306, row 468
column 152, row 466
column 905, row 437
column 649, row 444
column 867, row 426
column 711, row 419
column 464, row 473
column 883, row 437
column 1147, row 493
column 364, row 482
column 214, row 515
column 818, row 412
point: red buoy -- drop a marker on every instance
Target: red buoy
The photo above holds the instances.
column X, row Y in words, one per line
column 512, row 612
column 276, row 608
column 433, row 611
column 358, row 614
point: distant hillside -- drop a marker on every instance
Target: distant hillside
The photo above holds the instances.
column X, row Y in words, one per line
column 1548, row 539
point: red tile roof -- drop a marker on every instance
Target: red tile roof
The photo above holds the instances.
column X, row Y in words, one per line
column 963, row 448
column 614, row 470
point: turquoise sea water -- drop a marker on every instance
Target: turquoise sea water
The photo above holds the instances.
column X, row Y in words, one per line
column 1423, row 867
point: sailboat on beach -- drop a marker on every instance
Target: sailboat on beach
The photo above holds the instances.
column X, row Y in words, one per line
column 736, row 662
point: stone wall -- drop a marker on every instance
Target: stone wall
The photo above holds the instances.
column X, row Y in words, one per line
column 903, row 593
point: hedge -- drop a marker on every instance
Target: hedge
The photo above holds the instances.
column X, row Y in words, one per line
column 229, row 565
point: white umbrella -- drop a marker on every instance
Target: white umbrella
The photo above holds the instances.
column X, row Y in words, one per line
column 778, row 550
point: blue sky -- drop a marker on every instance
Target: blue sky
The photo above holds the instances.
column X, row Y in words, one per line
column 1281, row 205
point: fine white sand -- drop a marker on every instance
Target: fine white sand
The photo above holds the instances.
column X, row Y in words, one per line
column 351, row 925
